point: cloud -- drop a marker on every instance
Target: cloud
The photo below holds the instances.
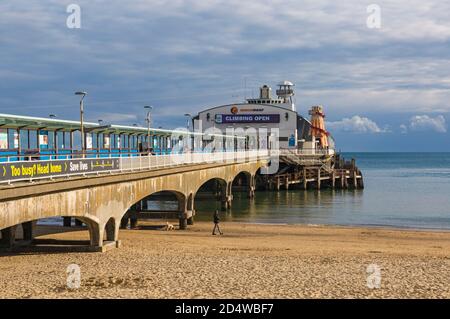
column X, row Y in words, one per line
column 403, row 129
column 185, row 55
column 423, row 123
column 356, row 124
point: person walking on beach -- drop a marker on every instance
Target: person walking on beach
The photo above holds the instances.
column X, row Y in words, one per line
column 216, row 223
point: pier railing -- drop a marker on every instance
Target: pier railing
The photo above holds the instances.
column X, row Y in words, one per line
column 308, row 151
column 56, row 168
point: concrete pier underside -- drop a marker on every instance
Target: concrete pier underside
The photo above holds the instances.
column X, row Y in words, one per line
column 101, row 202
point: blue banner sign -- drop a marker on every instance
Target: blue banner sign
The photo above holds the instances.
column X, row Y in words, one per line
column 35, row 169
column 247, row 118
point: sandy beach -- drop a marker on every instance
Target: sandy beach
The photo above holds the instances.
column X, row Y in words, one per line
column 248, row 261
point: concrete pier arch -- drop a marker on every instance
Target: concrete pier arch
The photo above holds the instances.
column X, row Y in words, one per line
column 101, row 201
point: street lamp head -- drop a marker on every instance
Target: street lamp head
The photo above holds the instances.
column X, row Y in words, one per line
column 82, row 94
column 52, row 116
column 149, row 108
column 187, row 114
column 100, row 121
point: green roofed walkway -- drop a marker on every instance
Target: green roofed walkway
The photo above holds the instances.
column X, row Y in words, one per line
column 26, row 137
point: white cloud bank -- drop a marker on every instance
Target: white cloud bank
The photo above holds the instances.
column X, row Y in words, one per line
column 427, row 123
column 356, row 124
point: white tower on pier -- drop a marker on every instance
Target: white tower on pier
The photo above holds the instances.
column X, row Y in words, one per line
column 286, row 92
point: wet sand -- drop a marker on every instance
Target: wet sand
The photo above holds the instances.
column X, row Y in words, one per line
column 249, row 261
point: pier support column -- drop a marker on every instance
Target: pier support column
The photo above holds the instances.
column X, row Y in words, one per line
column 189, row 217
column 226, row 202
column 8, row 237
column 251, row 187
column 230, row 194
column 355, row 180
column 182, row 218
column 133, row 215
column 67, row 221
column 361, row 181
column 343, row 180
column 277, row 185
column 133, row 221
column 305, row 181
column 190, row 210
column 182, row 214
column 96, row 234
column 333, row 179
column 227, row 198
column 251, row 192
column 28, row 229
column 286, row 181
column 190, row 220
column 318, row 179
column 183, row 223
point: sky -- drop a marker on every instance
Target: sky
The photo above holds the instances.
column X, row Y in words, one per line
column 384, row 87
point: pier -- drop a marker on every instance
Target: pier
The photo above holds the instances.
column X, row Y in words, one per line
column 331, row 172
column 105, row 202
column 106, row 185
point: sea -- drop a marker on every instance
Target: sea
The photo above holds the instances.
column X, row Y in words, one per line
column 402, row 190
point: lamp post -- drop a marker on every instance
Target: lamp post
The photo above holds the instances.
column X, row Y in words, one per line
column 148, row 119
column 188, row 126
column 83, row 94
column 189, row 120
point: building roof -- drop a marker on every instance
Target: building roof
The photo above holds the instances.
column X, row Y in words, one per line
column 50, row 124
column 247, row 105
column 286, row 83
